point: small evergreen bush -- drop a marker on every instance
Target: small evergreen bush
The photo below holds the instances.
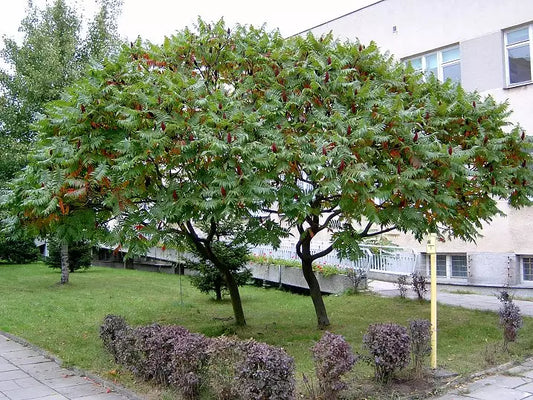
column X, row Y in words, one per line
column 266, row 372
column 388, row 345
column 419, row 283
column 79, row 255
column 420, row 335
column 210, row 279
column 18, row 251
column 333, row 358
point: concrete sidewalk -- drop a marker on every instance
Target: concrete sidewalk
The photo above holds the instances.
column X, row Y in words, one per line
column 470, row 301
column 26, row 373
column 507, row 384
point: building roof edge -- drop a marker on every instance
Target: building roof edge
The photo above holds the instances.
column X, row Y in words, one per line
column 336, row 18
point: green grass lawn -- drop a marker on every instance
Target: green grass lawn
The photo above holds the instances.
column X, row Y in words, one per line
column 65, row 320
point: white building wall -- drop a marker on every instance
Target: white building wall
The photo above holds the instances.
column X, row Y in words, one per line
column 407, row 28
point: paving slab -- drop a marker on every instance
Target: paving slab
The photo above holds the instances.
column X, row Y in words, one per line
column 13, row 374
column 27, row 373
column 493, row 392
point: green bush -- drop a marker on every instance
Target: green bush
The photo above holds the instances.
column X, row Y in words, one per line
column 79, row 255
column 18, row 251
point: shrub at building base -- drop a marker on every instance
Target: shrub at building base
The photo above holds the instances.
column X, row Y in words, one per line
column 388, row 347
column 510, row 318
column 401, row 283
column 227, row 368
column 333, row 358
column 419, row 283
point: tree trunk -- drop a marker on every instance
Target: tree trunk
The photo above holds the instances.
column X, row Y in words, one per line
column 64, row 263
column 218, row 291
column 233, row 288
column 316, row 294
column 235, row 296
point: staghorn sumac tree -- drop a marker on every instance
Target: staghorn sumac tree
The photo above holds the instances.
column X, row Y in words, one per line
column 166, row 138
column 364, row 145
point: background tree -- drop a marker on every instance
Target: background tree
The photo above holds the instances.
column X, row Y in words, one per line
column 365, row 145
column 18, row 251
column 52, row 55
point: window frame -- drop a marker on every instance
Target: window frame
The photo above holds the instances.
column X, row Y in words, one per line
column 440, row 64
column 507, row 46
column 523, row 266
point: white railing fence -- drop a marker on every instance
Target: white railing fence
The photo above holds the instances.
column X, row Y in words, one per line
column 385, row 259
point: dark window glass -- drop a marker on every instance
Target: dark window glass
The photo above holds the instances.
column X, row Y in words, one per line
column 527, row 263
column 519, row 64
column 441, row 265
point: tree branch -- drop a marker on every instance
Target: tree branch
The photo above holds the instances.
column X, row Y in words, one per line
column 328, row 220
column 212, row 231
column 380, row 232
column 322, row 253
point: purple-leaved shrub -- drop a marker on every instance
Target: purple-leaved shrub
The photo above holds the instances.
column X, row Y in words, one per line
column 156, row 343
column 401, row 283
column 110, row 329
column 188, row 357
column 266, row 372
column 230, row 368
column 388, row 345
column 333, row 358
column 224, row 354
column 419, row 283
column 420, row 335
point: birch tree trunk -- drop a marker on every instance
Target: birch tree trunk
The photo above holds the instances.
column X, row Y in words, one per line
column 64, row 263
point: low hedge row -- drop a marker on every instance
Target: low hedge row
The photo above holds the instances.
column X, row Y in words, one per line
column 230, row 368
column 227, row 367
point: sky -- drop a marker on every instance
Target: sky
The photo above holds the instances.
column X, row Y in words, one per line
column 153, row 19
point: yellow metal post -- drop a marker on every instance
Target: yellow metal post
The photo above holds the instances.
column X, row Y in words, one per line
column 431, row 250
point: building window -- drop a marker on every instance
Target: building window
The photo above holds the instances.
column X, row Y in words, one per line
column 518, row 55
column 459, row 268
column 441, row 265
column 444, row 64
column 527, row 268
column 450, row 265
